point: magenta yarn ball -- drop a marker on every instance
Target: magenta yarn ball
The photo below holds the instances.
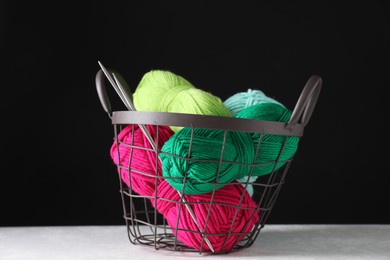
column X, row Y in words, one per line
column 227, row 210
column 144, row 170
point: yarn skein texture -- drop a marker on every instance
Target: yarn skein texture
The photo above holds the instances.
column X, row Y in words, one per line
column 272, row 147
column 164, row 91
column 132, row 145
column 204, row 170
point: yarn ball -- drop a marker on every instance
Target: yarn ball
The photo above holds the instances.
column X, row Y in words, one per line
column 222, row 215
column 155, row 86
column 164, row 91
column 242, row 100
column 142, row 177
column 203, row 171
column 271, row 144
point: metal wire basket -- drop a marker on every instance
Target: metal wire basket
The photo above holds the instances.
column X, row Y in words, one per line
column 146, row 226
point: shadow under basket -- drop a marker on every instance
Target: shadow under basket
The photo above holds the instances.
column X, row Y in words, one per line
column 147, row 226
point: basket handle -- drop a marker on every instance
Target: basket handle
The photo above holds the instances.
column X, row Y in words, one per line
column 306, row 102
column 102, row 92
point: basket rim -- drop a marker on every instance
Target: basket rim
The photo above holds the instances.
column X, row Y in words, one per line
column 206, row 121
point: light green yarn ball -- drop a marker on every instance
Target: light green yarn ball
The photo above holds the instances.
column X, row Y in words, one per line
column 164, row 91
column 196, row 101
column 154, row 86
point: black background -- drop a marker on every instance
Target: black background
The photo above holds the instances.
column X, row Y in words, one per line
column 55, row 164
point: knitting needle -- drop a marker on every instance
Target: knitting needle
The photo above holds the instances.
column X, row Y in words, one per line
column 126, row 98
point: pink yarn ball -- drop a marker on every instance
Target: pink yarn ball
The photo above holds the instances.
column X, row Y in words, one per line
column 222, row 215
column 143, row 162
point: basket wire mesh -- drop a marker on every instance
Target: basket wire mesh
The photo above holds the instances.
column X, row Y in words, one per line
column 146, row 226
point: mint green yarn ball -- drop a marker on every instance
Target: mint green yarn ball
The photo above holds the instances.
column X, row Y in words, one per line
column 242, row 100
column 164, row 91
column 249, row 186
column 203, row 169
column 271, row 144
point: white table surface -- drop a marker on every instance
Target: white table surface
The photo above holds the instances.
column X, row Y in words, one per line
column 273, row 242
